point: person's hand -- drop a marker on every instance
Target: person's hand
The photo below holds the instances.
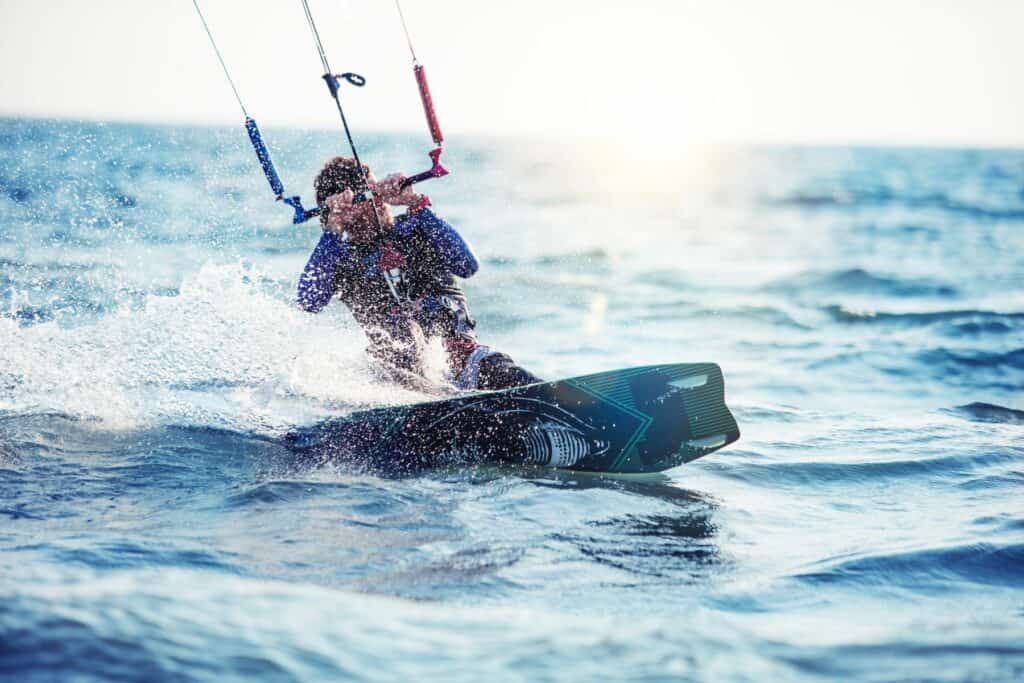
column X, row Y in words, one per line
column 340, row 211
column 390, row 191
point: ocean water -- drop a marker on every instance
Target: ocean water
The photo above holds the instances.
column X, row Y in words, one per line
column 866, row 306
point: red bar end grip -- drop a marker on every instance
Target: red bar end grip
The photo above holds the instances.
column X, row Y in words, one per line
column 428, row 104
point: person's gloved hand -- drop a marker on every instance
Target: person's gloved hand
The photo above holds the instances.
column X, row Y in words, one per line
column 390, row 191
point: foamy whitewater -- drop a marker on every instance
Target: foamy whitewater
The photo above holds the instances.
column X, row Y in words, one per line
column 865, row 305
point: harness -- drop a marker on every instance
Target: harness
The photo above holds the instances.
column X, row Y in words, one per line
column 366, row 281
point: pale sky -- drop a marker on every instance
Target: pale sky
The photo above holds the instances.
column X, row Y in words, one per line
column 871, row 71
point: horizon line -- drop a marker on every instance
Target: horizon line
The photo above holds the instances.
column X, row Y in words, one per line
column 547, row 136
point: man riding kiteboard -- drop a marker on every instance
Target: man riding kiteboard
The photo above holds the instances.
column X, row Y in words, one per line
column 398, row 277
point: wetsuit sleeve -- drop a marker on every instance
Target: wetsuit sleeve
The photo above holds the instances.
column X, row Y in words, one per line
column 316, row 286
column 454, row 251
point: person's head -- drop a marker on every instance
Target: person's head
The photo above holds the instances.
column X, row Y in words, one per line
column 340, row 174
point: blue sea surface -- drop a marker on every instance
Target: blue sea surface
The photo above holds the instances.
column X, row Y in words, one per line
column 865, row 305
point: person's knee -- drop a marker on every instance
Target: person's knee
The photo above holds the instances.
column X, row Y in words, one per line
column 499, row 371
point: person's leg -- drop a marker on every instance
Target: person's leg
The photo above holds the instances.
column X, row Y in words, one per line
column 397, row 343
column 499, row 371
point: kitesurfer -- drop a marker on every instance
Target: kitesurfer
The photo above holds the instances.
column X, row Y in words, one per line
column 398, row 277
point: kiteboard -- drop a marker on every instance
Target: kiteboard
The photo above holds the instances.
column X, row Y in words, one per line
column 636, row 420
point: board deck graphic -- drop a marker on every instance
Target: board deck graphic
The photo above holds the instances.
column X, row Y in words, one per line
column 645, row 419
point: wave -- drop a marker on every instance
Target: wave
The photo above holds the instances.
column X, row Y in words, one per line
column 682, row 546
column 56, row 194
column 17, row 192
column 989, row 412
column 817, row 473
column 127, row 555
column 589, row 258
column 860, row 281
column 929, row 569
column 773, row 414
column 970, row 359
column 844, row 314
column 656, row 311
column 851, row 199
column 275, row 492
column 154, row 625
column 951, row 323
column 228, row 350
column 69, row 293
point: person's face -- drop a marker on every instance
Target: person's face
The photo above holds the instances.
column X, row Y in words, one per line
column 361, row 227
column 359, row 222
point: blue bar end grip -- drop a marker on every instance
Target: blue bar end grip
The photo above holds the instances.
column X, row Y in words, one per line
column 264, row 156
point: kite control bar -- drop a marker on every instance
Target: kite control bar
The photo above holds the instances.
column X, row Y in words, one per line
column 436, row 171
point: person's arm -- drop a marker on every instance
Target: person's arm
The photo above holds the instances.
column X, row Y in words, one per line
column 316, row 285
column 454, row 251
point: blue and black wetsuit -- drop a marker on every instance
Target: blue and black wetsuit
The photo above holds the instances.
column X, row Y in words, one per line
column 424, row 256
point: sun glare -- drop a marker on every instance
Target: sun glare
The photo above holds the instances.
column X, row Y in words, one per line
column 642, row 74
